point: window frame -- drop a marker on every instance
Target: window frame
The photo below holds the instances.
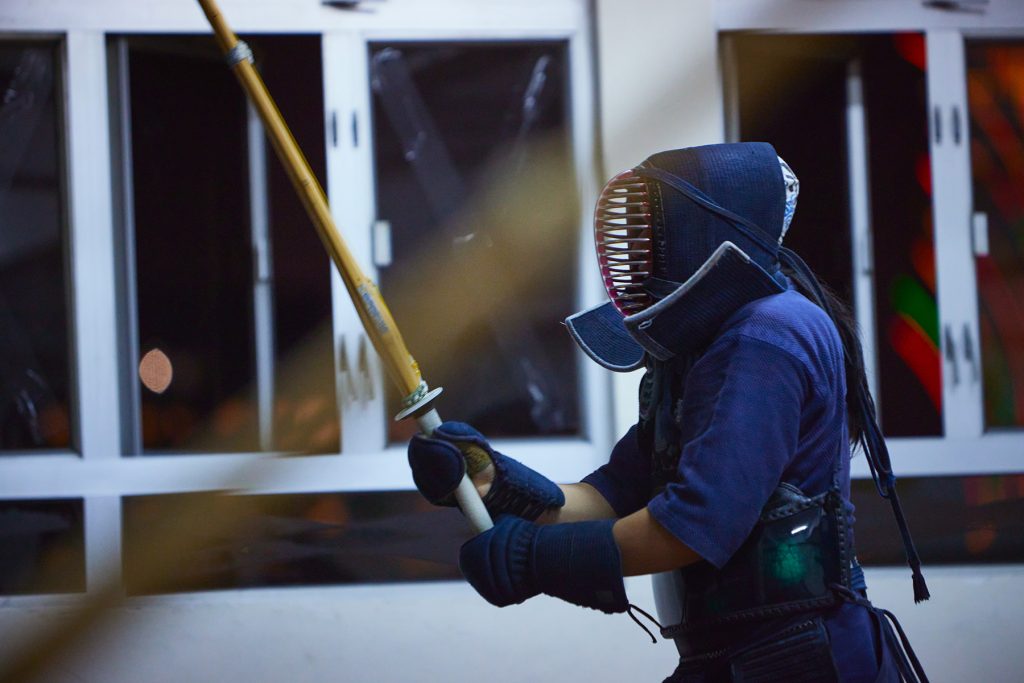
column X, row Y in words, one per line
column 100, row 473
column 262, row 301
column 964, row 431
column 562, row 458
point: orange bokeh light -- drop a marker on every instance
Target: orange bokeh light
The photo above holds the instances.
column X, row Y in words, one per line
column 156, row 371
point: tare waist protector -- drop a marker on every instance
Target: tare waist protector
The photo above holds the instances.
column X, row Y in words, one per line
column 796, row 552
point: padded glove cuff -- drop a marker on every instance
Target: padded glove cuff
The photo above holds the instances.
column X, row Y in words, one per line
column 580, row 563
column 516, row 559
column 520, row 491
column 497, row 562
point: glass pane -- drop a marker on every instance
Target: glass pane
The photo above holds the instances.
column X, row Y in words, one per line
column 234, row 324
column 982, row 520
column 475, row 179
column 906, row 308
column 996, row 102
column 191, row 542
column 792, row 93
column 34, row 345
column 305, row 408
column 42, row 546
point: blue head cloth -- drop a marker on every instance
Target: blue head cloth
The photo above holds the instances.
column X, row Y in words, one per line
column 718, row 215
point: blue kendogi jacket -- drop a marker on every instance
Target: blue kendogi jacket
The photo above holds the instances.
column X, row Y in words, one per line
column 763, row 404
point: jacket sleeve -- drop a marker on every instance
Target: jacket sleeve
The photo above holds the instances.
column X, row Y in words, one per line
column 741, row 416
column 625, row 482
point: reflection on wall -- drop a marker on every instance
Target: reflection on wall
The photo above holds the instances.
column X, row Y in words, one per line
column 996, row 98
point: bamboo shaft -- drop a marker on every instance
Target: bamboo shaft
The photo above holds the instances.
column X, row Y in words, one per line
column 374, row 314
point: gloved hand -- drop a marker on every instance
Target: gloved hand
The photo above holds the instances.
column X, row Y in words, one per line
column 515, row 560
column 439, row 461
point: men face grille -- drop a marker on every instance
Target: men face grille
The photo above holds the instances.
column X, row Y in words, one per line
column 622, row 232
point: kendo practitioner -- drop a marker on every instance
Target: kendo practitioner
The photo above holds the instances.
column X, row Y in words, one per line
column 734, row 485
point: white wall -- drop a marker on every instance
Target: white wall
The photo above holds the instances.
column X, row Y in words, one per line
column 659, row 89
column 969, row 631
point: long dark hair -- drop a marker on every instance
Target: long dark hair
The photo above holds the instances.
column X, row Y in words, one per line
column 860, row 407
column 853, row 354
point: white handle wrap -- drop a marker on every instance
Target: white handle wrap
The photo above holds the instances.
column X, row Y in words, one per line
column 467, row 495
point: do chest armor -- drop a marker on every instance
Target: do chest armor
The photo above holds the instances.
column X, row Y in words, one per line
column 797, row 559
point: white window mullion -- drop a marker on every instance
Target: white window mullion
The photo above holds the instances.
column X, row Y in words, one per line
column 96, row 347
column 595, row 382
column 860, row 222
column 123, row 183
column 92, row 246
column 350, row 190
column 949, row 135
column 102, row 542
column 730, row 88
column 262, row 276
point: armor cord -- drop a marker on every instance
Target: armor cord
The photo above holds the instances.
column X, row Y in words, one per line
column 629, row 611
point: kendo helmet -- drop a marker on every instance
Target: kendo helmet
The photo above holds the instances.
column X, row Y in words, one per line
column 683, row 240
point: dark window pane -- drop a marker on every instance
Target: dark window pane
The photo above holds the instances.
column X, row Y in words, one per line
column 792, row 93
column 475, row 177
column 205, row 305
column 42, row 546
column 997, row 158
column 192, row 542
column 305, row 408
column 34, row 347
column 192, row 244
column 955, row 520
column 906, row 309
